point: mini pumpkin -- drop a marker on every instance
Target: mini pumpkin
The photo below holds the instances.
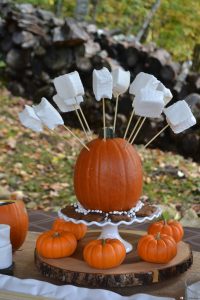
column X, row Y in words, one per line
column 56, row 244
column 79, row 230
column 159, row 248
column 109, row 176
column 104, row 254
column 171, row 227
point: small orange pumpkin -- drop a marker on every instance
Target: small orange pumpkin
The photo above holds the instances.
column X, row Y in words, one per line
column 171, row 227
column 13, row 213
column 56, row 244
column 160, row 248
column 109, row 176
column 79, row 230
column 104, row 254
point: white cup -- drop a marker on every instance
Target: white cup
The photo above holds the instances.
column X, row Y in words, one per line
column 5, row 257
column 4, row 235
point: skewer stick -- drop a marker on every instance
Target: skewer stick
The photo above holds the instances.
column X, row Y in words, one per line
column 141, row 124
column 155, row 136
column 129, row 122
column 115, row 117
column 84, row 118
column 104, row 120
column 76, row 110
column 135, row 127
column 76, row 137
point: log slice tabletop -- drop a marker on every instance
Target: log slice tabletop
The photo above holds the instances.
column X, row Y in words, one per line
column 132, row 272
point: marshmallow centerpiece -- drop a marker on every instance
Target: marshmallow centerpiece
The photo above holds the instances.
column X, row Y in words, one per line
column 66, row 107
column 121, row 81
column 29, row 119
column 167, row 93
column 149, row 103
column 143, row 80
column 102, row 84
column 69, row 86
column 48, row 114
column 179, row 116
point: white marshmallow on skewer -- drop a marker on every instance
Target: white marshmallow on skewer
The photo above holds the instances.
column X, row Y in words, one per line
column 179, row 116
column 29, row 119
column 69, row 85
column 149, row 103
column 48, row 114
column 73, row 101
column 167, row 93
column 63, row 106
column 121, row 81
column 102, row 84
column 143, row 80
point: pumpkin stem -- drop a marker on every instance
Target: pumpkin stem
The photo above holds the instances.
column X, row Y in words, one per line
column 157, row 236
column 103, row 242
column 56, row 234
column 109, row 133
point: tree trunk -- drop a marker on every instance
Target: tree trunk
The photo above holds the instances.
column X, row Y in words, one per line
column 81, row 9
column 142, row 32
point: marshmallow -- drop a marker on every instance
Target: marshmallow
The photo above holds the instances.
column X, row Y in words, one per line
column 69, row 85
column 73, row 101
column 167, row 93
column 179, row 116
column 29, row 119
column 102, row 84
column 148, row 103
column 121, row 81
column 63, row 106
column 48, row 114
column 4, row 235
column 5, row 257
column 143, row 80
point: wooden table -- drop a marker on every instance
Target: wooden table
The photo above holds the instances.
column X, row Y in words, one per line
column 25, row 268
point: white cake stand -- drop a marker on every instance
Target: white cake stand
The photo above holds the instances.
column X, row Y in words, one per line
column 110, row 229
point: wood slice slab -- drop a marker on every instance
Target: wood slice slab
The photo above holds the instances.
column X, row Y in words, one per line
column 132, row 272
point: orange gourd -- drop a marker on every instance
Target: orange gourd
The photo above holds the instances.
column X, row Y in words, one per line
column 171, row 227
column 109, row 176
column 14, row 214
column 79, row 230
column 160, row 248
column 104, row 254
column 56, row 244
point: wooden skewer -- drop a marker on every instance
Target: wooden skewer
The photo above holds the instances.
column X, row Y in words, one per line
column 76, row 137
column 135, row 127
column 104, row 120
column 2, row 201
column 155, row 136
column 84, row 118
column 76, row 110
column 115, row 117
column 129, row 122
column 141, row 124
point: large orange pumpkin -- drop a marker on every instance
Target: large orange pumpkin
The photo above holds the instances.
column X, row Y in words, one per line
column 79, row 230
column 104, row 254
column 159, row 248
column 109, row 176
column 14, row 214
column 171, row 227
column 56, row 244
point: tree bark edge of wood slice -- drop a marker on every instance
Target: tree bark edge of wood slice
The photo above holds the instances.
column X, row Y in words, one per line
column 113, row 278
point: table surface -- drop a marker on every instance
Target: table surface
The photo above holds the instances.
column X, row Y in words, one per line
column 25, row 268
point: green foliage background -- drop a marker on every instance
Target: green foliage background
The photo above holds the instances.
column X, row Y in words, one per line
column 175, row 27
